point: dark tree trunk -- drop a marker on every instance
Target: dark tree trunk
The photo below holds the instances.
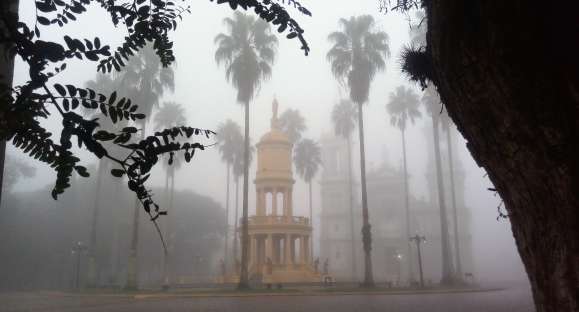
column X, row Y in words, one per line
column 366, row 228
column 508, row 73
column 133, row 265
column 447, row 271
column 6, row 76
column 351, row 202
column 226, row 251
column 407, row 210
column 244, row 276
column 311, row 223
column 453, row 202
column 92, row 251
column 235, row 231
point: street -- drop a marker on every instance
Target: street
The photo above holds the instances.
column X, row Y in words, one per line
column 516, row 299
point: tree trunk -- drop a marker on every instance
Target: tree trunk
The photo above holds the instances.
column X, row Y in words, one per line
column 236, row 236
column 447, row 271
column 244, row 276
column 92, row 264
column 132, row 265
column 166, row 230
column 514, row 96
column 407, row 210
column 6, row 77
column 351, row 201
column 225, row 253
column 366, row 228
column 171, row 233
column 311, row 223
column 454, row 211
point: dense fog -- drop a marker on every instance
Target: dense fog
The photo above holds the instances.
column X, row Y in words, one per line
column 39, row 235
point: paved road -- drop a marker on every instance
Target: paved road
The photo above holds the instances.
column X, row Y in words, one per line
column 509, row 300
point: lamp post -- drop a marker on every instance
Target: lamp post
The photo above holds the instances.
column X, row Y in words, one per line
column 77, row 250
column 419, row 240
column 398, row 260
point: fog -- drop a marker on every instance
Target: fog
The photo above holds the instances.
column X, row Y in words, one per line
column 36, row 224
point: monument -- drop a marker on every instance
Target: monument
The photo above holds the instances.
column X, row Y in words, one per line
column 279, row 241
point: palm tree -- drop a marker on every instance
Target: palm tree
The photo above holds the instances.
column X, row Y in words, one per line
column 228, row 136
column 307, row 158
column 248, row 52
column 145, row 80
column 433, row 105
column 344, row 120
column 171, row 114
column 237, row 169
column 358, row 53
column 293, row 124
column 403, row 106
column 446, row 123
column 106, row 85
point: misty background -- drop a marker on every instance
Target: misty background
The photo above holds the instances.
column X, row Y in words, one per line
column 298, row 82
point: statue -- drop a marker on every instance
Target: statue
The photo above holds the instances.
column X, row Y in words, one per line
column 316, row 265
column 326, row 265
column 274, row 119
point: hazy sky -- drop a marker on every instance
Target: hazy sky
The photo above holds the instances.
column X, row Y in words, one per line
column 298, row 82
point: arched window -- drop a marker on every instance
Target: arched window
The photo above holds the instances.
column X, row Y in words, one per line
column 280, row 204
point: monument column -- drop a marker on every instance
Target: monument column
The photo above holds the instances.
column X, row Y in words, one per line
column 287, row 252
column 274, row 202
column 303, row 249
column 252, row 250
column 290, row 203
column 268, row 247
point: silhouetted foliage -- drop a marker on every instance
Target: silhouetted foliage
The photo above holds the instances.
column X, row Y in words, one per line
column 23, row 107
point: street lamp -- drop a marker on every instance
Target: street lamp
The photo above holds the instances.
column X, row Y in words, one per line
column 399, row 260
column 77, row 250
column 419, row 240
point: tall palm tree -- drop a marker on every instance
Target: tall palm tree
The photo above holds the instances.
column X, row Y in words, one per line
column 293, row 124
column 307, row 157
column 171, row 114
column 229, row 136
column 248, row 52
column 237, row 169
column 344, row 120
column 433, row 105
column 145, row 80
column 106, row 85
column 447, row 124
column 358, row 53
column 403, row 106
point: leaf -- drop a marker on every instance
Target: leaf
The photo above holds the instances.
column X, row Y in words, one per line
column 113, row 98
column 60, row 89
column 117, row 172
column 71, row 90
column 44, row 21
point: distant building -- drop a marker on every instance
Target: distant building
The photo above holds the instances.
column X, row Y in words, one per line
column 385, row 186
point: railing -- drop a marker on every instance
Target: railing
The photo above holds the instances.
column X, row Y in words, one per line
column 278, row 220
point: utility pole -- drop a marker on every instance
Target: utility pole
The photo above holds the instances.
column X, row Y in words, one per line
column 419, row 240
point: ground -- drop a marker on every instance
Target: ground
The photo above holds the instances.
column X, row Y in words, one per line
column 512, row 299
